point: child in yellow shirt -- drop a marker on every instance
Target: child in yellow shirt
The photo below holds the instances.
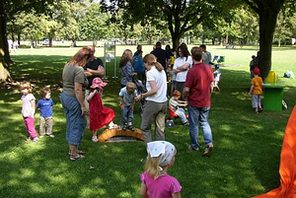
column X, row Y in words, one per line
column 256, row 90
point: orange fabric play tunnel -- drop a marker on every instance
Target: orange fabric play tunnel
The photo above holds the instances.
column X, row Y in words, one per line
column 287, row 188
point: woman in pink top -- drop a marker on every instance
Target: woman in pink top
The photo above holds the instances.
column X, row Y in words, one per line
column 156, row 182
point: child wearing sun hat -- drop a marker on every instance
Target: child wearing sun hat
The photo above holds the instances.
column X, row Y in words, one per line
column 99, row 115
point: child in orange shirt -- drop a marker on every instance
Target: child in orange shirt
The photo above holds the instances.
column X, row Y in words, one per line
column 256, row 90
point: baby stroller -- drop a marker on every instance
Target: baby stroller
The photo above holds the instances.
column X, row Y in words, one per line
column 140, row 88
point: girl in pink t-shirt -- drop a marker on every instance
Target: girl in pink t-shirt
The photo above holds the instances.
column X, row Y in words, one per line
column 156, row 182
column 28, row 110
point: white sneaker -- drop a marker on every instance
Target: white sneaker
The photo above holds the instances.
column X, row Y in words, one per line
column 94, row 138
column 112, row 126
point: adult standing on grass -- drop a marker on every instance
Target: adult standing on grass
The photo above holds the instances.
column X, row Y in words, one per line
column 161, row 55
column 155, row 107
column 138, row 64
column 74, row 82
column 198, row 88
column 206, row 55
column 181, row 67
column 93, row 68
column 127, row 70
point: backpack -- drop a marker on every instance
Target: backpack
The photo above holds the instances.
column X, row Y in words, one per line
column 138, row 64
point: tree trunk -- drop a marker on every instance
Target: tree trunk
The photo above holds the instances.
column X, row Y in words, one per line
column 19, row 38
column 94, row 42
column 267, row 23
column 4, row 73
column 3, row 37
column 50, row 42
column 176, row 40
column 74, row 43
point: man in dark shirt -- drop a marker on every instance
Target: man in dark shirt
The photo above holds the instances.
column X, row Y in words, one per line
column 94, row 67
column 161, row 55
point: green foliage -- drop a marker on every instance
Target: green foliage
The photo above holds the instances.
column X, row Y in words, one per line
column 285, row 29
column 32, row 27
column 93, row 24
column 179, row 16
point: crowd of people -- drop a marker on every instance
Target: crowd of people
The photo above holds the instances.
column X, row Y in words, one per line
column 192, row 85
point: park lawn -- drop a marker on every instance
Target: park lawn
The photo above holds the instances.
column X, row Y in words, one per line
column 244, row 163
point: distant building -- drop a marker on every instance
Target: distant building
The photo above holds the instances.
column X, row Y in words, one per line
column 293, row 41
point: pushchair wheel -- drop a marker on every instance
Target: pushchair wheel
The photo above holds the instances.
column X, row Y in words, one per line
column 170, row 123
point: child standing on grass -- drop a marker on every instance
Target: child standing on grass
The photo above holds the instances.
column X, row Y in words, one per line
column 127, row 96
column 99, row 115
column 256, row 90
column 45, row 107
column 176, row 105
column 28, row 110
column 156, row 182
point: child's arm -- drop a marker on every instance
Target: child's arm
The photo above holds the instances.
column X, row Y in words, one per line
column 33, row 104
column 176, row 195
column 91, row 95
column 182, row 103
column 121, row 103
column 143, row 191
column 251, row 89
column 38, row 105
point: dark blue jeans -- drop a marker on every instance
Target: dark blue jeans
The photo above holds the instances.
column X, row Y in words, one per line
column 198, row 117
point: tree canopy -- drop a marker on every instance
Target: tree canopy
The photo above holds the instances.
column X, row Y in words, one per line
column 268, row 11
column 179, row 16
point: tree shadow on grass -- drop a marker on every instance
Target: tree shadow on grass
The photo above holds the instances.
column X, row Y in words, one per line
column 244, row 162
column 247, row 145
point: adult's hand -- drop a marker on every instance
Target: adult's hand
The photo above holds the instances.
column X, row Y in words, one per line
column 84, row 111
column 87, row 73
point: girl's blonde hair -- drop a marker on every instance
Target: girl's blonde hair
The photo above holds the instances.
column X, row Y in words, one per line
column 26, row 85
column 152, row 166
column 125, row 57
column 150, row 59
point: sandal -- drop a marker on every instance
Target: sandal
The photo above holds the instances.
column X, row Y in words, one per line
column 79, row 152
column 76, row 157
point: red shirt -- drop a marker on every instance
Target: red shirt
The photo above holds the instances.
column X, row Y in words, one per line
column 198, row 80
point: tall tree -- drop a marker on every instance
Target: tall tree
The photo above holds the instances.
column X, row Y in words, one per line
column 267, row 11
column 93, row 25
column 8, row 10
column 180, row 15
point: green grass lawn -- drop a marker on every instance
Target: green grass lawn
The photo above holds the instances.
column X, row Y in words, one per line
column 244, row 163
